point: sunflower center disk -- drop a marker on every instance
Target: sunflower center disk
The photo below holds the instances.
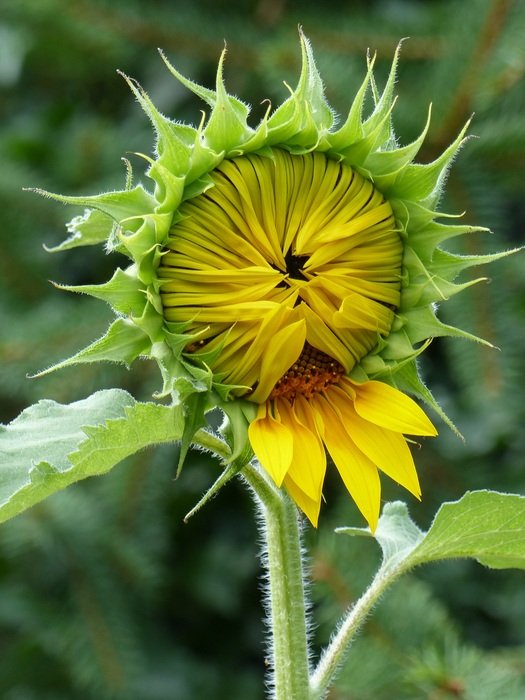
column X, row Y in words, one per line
column 283, row 273
column 294, row 266
column 313, row 372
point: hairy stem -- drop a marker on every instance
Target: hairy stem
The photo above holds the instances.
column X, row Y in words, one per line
column 335, row 653
column 282, row 557
column 205, row 439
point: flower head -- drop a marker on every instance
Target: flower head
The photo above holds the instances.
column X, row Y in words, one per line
column 288, row 273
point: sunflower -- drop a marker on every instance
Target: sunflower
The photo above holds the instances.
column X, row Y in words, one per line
column 289, row 274
column 289, row 271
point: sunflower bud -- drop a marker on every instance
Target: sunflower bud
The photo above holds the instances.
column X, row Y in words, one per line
column 288, row 273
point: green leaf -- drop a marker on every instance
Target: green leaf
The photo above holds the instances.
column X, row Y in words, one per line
column 51, row 445
column 396, row 534
column 483, row 525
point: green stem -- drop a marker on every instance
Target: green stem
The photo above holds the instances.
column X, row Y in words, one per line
column 203, row 438
column 335, row 653
column 282, row 557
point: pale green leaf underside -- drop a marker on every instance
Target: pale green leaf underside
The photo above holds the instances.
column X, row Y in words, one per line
column 483, row 525
column 51, row 445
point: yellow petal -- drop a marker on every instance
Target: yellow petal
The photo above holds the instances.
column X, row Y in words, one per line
column 219, row 276
column 272, row 443
column 309, row 506
column 283, row 350
column 308, row 465
column 359, row 474
column 321, row 337
column 387, row 449
column 210, row 229
column 358, row 311
column 242, row 311
column 383, row 405
column 330, row 250
column 184, row 293
column 256, row 345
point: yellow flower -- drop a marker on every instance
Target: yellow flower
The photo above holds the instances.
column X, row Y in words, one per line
column 288, row 270
column 282, row 250
column 289, row 274
column 362, row 427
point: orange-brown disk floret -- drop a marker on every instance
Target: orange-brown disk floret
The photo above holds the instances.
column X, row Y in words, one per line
column 312, row 373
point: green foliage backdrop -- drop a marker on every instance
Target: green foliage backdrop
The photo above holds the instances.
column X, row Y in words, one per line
column 104, row 593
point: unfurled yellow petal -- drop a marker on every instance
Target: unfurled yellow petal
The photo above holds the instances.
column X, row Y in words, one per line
column 272, row 443
column 321, row 337
column 283, row 350
column 387, row 449
column 309, row 506
column 388, row 407
column 391, row 453
column 308, row 465
column 357, row 471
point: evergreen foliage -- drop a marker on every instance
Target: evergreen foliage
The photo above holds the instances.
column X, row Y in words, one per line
column 104, row 593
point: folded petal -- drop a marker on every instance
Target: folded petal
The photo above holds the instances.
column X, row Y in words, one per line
column 272, row 443
column 283, row 350
column 358, row 311
column 309, row 506
column 308, row 465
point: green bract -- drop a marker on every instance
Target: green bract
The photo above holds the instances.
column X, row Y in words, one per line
column 136, row 222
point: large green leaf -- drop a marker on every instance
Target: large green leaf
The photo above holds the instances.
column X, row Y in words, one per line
column 483, row 525
column 51, row 445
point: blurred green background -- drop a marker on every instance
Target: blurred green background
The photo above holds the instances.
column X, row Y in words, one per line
column 104, row 593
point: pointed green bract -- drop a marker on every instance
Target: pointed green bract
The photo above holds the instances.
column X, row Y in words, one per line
column 120, row 206
column 124, row 292
column 384, row 104
column 137, row 222
column 91, row 228
column 305, row 117
column 123, row 342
